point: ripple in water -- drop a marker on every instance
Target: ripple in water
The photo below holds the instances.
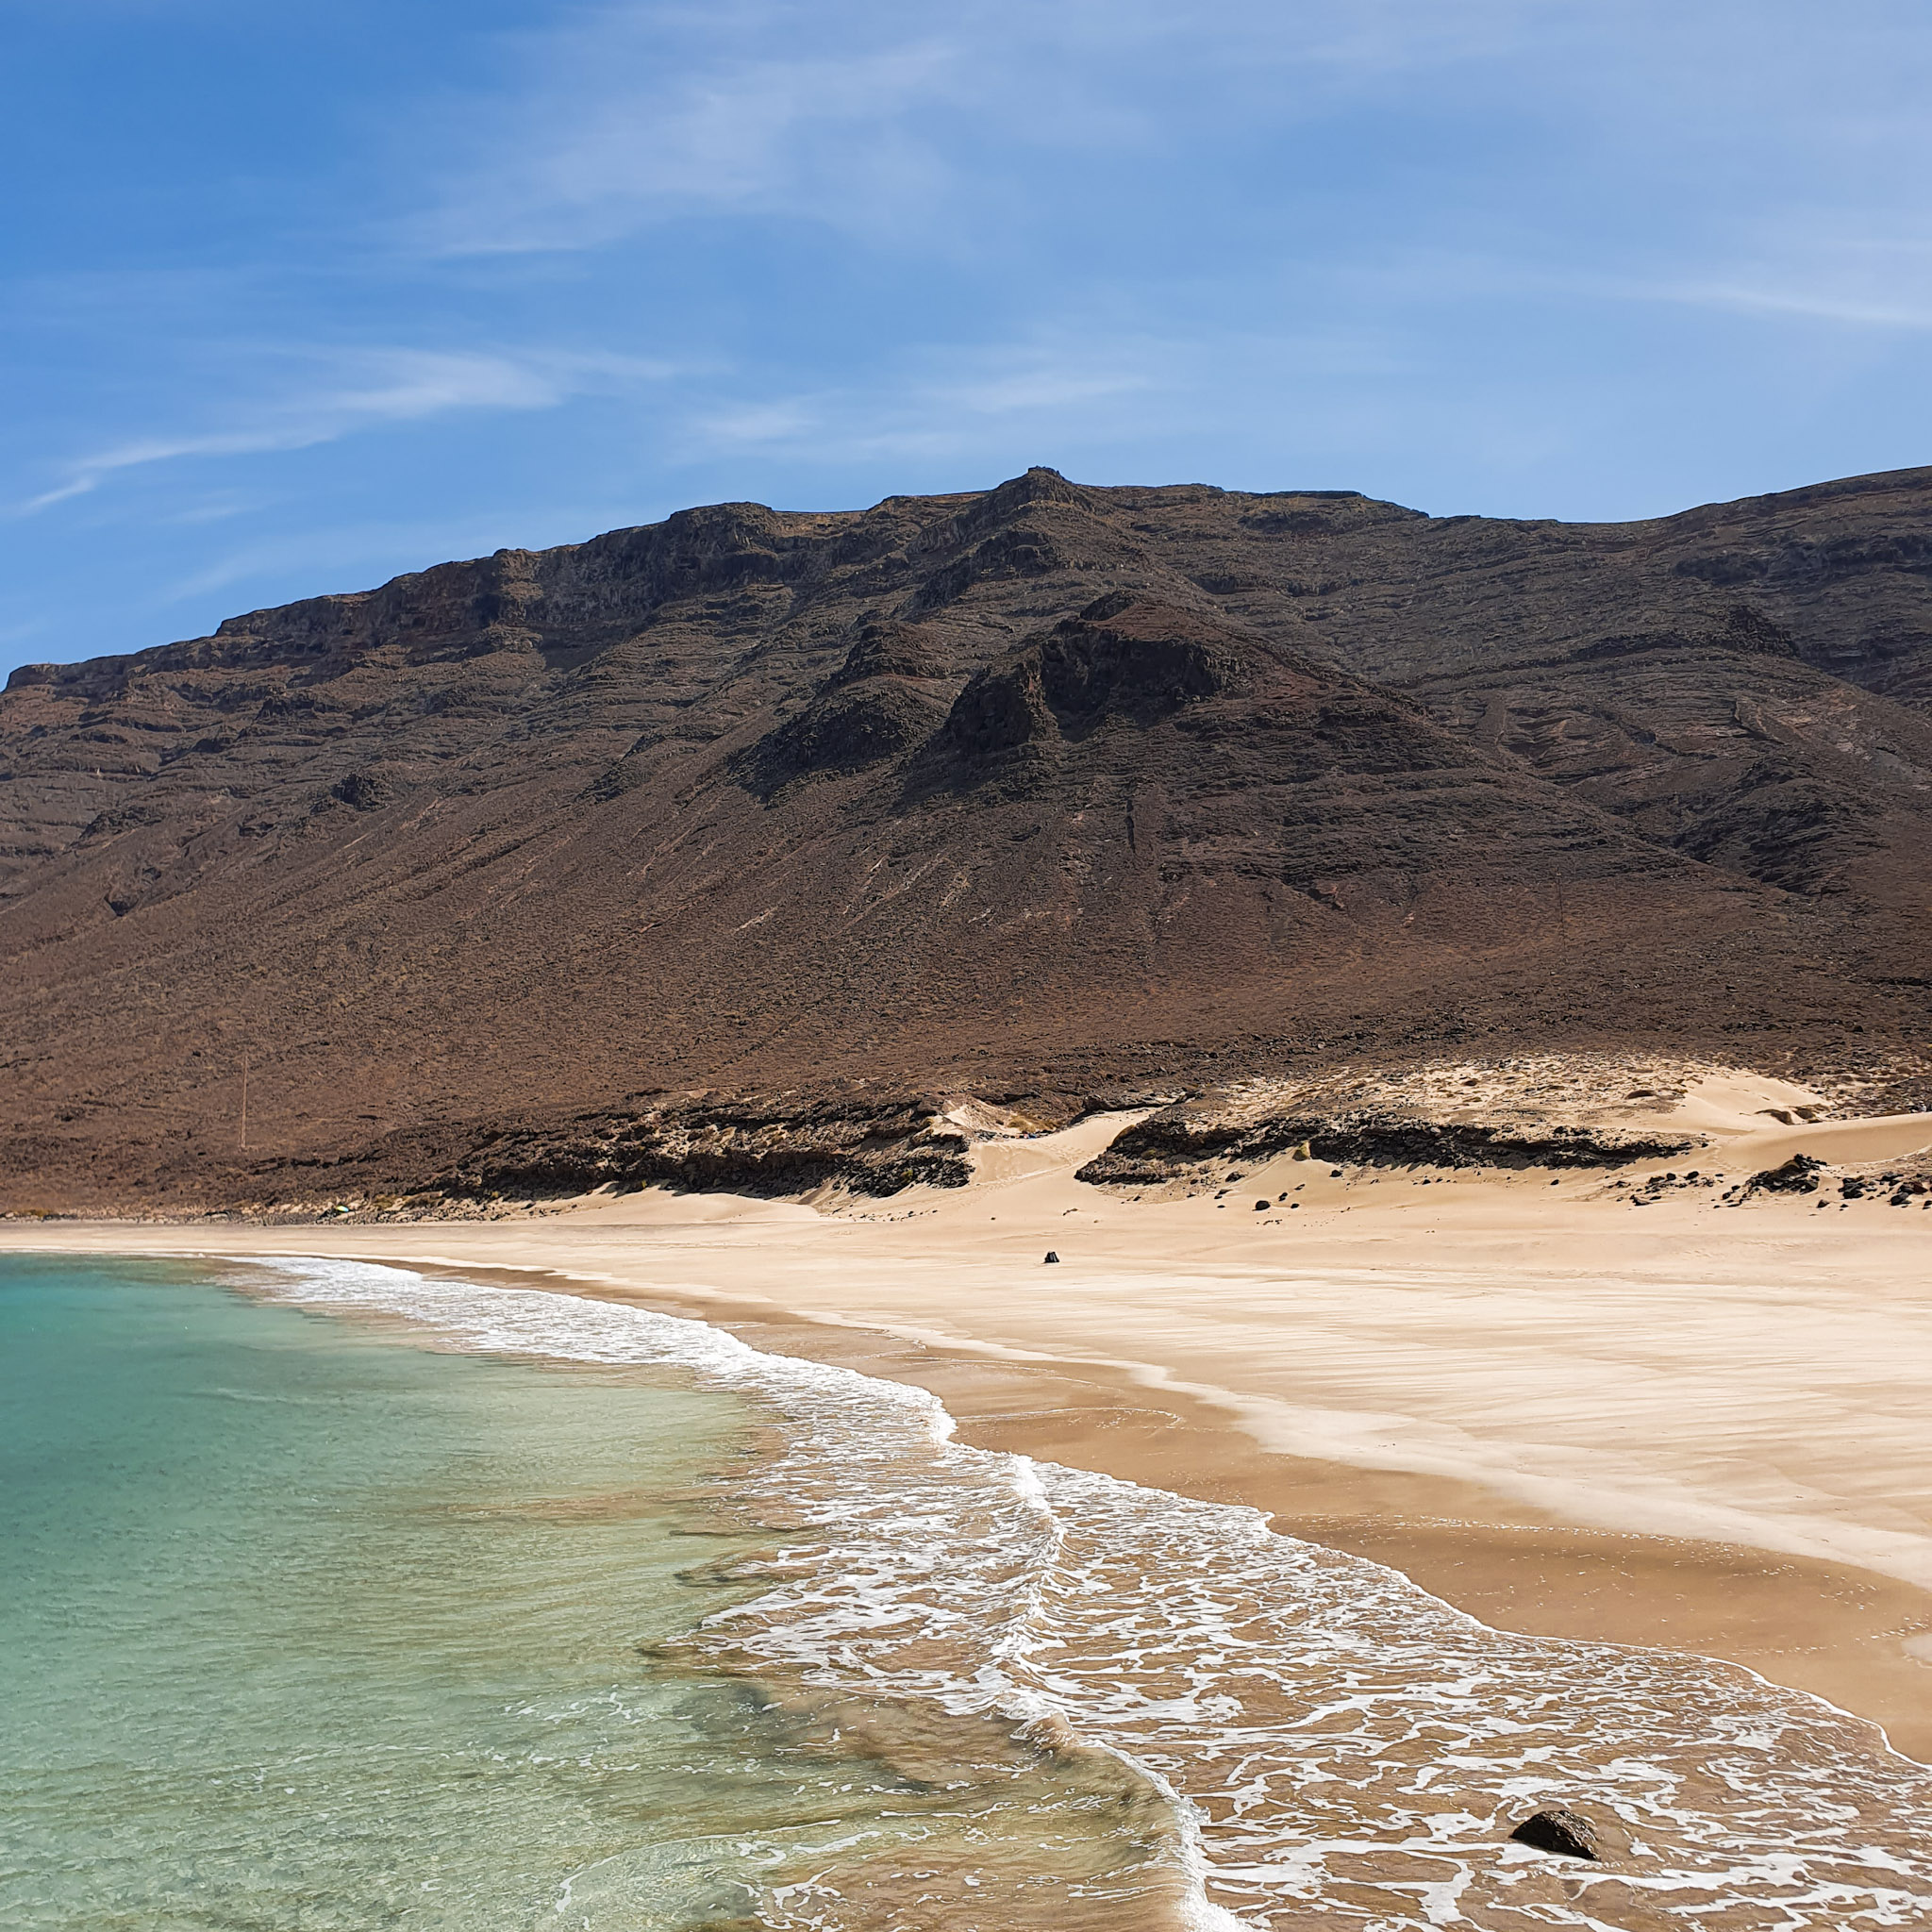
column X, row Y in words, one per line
column 1289, row 1733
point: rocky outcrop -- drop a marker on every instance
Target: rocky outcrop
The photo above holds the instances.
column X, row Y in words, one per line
column 1180, row 1140
column 701, row 1145
column 1797, row 1175
column 1127, row 657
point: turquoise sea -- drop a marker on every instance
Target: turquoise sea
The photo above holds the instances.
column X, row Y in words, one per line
column 341, row 1597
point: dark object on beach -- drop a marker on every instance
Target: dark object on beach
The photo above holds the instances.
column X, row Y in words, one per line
column 1051, row 1259
column 1262, row 1206
column 1798, row 1175
column 1557, row 1828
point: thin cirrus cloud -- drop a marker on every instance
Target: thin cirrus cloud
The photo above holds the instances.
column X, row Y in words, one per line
column 934, row 410
column 365, row 389
column 772, row 136
column 1800, row 303
column 1091, row 397
column 1818, row 273
column 887, row 121
column 914, row 135
column 1859, row 276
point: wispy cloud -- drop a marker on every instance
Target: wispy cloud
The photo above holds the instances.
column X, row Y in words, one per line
column 360, row 391
column 1080, row 385
column 1817, row 273
column 637, row 113
column 941, row 404
column 1813, row 267
column 1815, row 305
column 873, row 118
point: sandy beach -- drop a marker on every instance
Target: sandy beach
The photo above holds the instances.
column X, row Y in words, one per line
column 1686, row 1424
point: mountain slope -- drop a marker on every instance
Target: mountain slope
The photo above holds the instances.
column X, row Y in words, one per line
column 1043, row 788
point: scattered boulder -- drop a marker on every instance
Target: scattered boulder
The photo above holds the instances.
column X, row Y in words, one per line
column 1797, row 1175
column 1262, row 1206
column 1557, row 1828
column 1051, row 1259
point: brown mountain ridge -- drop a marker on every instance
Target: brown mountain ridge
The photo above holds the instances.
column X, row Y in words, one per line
column 752, row 824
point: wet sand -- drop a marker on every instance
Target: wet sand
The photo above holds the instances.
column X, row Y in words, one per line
column 1683, row 1425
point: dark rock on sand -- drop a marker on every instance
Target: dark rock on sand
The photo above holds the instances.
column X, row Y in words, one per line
column 1178, row 1139
column 706, row 1144
column 1797, row 1175
column 1557, row 1828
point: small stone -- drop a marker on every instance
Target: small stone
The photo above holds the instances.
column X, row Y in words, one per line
column 1557, row 1828
column 1262, row 1206
column 1051, row 1259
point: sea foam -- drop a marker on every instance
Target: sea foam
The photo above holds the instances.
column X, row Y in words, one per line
column 1333, row 1743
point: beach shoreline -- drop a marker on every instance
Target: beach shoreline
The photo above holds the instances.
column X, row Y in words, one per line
column 1328, row 1371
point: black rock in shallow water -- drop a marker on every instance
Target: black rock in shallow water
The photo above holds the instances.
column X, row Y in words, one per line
column 1557, row 1828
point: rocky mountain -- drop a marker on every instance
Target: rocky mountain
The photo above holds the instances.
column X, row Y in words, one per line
column 754, row 819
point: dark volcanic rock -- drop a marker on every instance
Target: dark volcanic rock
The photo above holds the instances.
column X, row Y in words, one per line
column 1176, row 1140
column 1557, row 1828
column 844, row 729
column 740, row 1148
column 1797, row 1175
column 1132, row 657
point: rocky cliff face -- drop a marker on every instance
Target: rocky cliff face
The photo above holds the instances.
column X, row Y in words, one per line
column 1039, row 789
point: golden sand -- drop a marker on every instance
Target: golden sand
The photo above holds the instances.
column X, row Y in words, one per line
column 1684, row 1424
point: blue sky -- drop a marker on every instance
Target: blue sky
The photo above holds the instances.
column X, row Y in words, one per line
column 298, row 297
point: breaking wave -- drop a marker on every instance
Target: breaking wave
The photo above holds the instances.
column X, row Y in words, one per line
column 1329, row 1741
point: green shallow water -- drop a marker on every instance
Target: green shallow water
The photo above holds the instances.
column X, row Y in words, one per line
column 305, row 1628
